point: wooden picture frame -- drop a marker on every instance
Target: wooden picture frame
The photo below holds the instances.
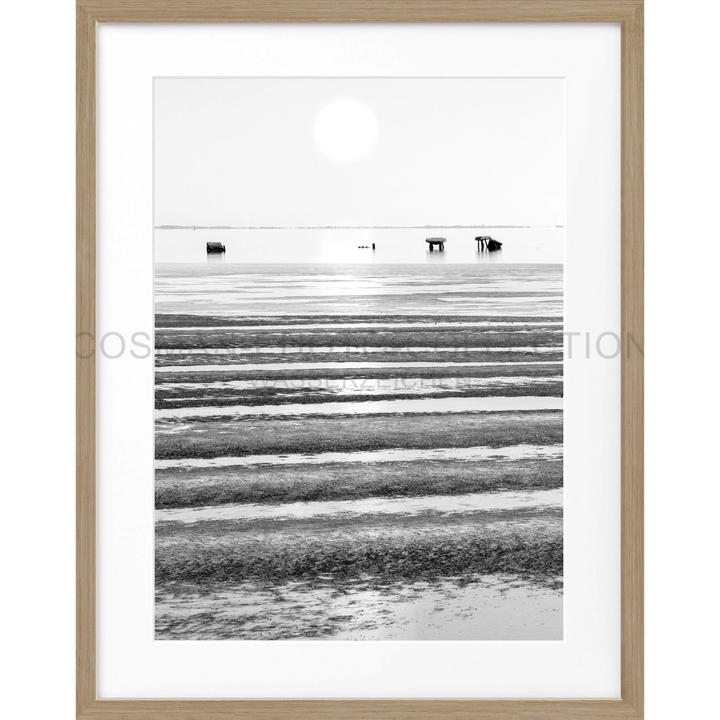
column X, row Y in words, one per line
column 629, row 15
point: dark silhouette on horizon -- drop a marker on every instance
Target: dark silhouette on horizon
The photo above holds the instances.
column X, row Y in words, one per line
column 485, row 242
column 440, row 242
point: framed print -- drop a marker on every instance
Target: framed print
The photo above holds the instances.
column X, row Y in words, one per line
column 377, row 409
column 360, row 359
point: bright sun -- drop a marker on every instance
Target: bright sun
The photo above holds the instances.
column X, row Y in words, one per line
column 346, row 130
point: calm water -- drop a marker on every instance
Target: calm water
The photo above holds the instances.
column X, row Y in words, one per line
column 520, row 245
column 254, row 289
column 469, row 454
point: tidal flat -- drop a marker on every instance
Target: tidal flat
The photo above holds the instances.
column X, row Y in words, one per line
column 208, row 437
column 493, row 607
column 374, row 454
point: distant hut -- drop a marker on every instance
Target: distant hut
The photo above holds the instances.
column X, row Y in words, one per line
column 432, row 242
column 486, row 242
column 215, row 247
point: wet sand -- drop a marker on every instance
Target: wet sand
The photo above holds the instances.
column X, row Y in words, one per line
column 489, row 607
column 313, row 512
column 468, row 503
column 364, row 325
column 429, row 406
column 342, row 365
column 288, row 350
column 364, row 386
column 514, row 452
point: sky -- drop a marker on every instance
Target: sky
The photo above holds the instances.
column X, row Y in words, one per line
column 373, row 152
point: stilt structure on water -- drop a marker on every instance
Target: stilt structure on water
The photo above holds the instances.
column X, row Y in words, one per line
column 485, row 242
column 440, row 242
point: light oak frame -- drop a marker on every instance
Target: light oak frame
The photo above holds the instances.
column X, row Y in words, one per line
column 632, row 15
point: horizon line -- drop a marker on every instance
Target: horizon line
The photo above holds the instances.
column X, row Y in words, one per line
column 352, row 227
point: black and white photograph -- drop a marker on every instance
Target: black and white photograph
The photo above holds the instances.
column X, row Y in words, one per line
column 358, row 289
